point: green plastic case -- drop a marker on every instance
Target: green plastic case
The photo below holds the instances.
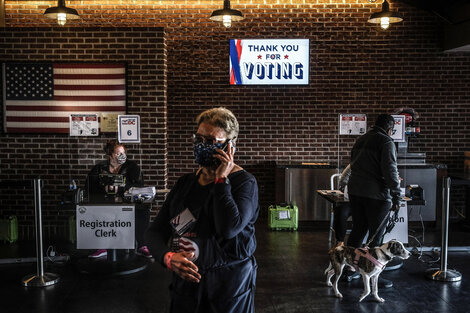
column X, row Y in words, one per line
column 283, row 217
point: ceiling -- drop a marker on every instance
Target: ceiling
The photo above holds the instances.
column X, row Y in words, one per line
column 455, row 15
column 451, row 11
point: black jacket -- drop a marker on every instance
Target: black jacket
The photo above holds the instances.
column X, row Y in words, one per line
column 129, row 169
column 225, row 226
column 374, row 172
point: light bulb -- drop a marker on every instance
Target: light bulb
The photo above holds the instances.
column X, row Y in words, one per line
column 384, row 22
column 61, row 19
column 227, row 20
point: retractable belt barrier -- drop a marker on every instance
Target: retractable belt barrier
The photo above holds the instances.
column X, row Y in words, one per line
column 40, row 279
column 444, row 274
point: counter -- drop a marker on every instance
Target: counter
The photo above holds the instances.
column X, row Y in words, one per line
column 297, row 183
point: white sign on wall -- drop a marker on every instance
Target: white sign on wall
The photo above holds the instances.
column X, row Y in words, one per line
column 269, row 61
column 84, row 125
column 398, row 134
column 107, row 226
column 352, row 124
column 129, row 128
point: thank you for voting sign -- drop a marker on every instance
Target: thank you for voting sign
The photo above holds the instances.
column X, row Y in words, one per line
column 105, row 226
column 269, row 61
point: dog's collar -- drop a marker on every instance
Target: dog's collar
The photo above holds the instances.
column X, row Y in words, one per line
column 387, row 257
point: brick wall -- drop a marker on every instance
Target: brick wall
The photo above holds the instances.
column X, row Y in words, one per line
column 354, row 68
column 59, row 158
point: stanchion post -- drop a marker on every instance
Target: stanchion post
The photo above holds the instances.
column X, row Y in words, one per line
column 443, row 274
column 41, row 279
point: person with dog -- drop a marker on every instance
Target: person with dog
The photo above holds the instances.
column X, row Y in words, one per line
column 374, row 185
column 205, row 230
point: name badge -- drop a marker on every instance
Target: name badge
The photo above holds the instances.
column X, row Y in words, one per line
column 182, row 222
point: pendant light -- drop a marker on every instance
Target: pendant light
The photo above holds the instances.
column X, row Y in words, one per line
column 226, row 15
column 385, row 17
column 61, row 13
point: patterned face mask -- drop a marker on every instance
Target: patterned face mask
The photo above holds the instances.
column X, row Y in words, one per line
column 204, row 151
column 121, row 159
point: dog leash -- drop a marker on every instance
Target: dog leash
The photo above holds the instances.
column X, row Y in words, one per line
column 388, row 228
column 364, row 252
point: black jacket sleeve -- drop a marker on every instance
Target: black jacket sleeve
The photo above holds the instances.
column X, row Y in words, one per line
column 160, row 230
column 134, row 177
column 235, row 205
column 390, row 170
column 92, row 184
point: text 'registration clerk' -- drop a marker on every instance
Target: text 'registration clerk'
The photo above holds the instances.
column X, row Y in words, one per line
column 105, row 226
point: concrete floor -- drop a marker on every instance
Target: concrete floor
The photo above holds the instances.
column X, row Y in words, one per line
column 290, row 279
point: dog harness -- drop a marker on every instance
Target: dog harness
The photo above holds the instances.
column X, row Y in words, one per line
column 364, row 252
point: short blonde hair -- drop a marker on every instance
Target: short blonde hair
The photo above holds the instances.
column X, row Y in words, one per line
column 220, row 117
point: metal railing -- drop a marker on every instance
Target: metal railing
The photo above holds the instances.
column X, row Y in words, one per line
column 40, row 279
column 442, row 273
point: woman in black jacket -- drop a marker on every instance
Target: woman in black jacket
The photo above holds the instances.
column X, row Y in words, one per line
column 208, row 218
column 117, row 163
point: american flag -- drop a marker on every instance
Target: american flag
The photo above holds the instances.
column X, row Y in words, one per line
column 39, row 97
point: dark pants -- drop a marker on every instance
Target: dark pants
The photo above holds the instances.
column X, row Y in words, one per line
column 227, row 289
column 367, row 214
column 142, row 220
column 340, row 221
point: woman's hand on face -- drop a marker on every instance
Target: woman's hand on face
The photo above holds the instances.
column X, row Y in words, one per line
column 184, row 268
column 226, row 160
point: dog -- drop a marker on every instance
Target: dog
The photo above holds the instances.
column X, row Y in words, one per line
column 369, row 268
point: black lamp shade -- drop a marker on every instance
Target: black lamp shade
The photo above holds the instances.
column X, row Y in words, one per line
column 61, row 8
column 218, row 15
column 394, row 17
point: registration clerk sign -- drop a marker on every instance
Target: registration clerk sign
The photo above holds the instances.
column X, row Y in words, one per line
column 269, row 61
column 105, row 226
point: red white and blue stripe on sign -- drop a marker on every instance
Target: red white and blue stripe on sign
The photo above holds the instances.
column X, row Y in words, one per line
column 235, row 55
column 40, row 97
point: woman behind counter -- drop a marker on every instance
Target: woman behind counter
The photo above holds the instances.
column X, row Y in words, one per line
column 208, row 218
column 117, row 163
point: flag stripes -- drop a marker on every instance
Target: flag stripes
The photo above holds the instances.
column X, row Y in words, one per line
column 78, row 88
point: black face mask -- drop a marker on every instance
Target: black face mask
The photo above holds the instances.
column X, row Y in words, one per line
column 204, row 153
